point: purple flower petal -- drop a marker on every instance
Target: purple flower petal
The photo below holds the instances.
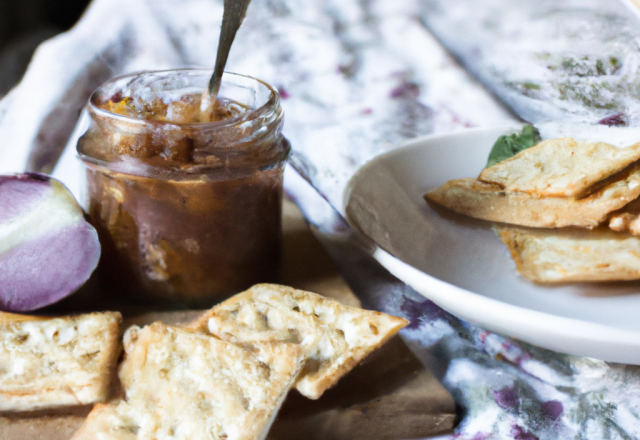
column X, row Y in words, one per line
column 507, row 398
column 617, row 120
column 519, row 433
column 553, row 409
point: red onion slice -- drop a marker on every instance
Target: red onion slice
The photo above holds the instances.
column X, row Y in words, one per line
column 47, row 249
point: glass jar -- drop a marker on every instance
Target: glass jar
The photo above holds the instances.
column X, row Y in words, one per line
column 188, row 212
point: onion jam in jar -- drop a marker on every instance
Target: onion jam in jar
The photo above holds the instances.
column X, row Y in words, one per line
column 188, row 212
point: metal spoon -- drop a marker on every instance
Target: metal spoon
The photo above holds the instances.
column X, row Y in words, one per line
column 234, row 13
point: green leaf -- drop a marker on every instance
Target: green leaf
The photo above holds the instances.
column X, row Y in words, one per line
column 508, row 146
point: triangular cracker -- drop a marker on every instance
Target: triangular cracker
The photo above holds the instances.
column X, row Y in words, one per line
column 560, row 167
column 334, row 337
column 626, row 219
column 55, row 362
column 105, row 423
column 489, row 201
column 571, row 255
column 184, row 385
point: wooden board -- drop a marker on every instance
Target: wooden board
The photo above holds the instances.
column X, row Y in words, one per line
column 389, row 396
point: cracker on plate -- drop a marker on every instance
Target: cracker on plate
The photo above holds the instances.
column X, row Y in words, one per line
column 571, row 255
column 55, row 362
column 488, row 201
column 560, row 167
column 334, row 337
column 627, row 219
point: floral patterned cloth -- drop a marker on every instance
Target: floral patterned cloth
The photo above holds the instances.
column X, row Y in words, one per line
column 505, row 389
column 508, row 389
column 357, row 78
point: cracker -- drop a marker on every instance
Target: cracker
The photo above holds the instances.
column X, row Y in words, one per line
column 333, row 337
column 104, row 422
column 183, row 385
column 560, row 167
column 627, row 219
column 490, row 202
column 572, row 255
column 56, row 362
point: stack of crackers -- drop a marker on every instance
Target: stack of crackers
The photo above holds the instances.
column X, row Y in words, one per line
column 222, row 376
column 575, row 206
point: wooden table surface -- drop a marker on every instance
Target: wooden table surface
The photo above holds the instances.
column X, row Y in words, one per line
column 389, row 396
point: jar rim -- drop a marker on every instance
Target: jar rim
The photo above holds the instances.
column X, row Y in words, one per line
column 144, row 170
column 251, row 139
column 270, row 105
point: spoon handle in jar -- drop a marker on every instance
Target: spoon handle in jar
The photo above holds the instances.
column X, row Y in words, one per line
column 234, row 12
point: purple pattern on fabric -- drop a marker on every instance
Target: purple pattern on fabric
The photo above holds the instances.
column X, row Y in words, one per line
column 406, row 89
column 418, row 311
column 500, row 347
column 519, row 433
column 553, row 409
column 507, row 398
column 283, row 93
column 617, row 120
